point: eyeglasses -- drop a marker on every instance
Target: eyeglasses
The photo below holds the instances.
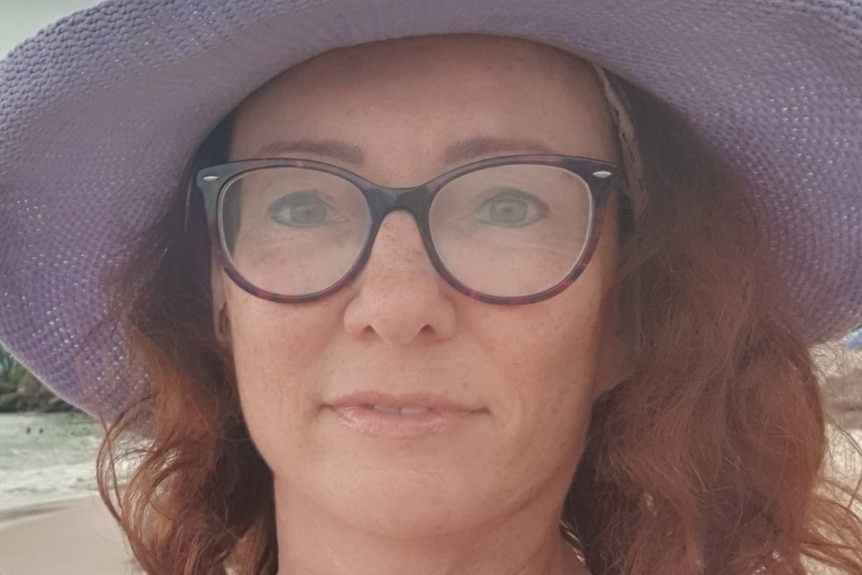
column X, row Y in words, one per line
column 506, row 230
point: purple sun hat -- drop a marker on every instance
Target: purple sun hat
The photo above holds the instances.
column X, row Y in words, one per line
column 100, row 113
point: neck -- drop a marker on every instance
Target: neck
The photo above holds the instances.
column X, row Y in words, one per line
column 525, row 542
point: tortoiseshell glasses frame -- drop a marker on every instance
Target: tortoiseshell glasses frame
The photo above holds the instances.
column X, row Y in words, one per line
column 212, row 182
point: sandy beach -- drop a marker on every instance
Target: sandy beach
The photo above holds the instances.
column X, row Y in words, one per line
column 72, row 537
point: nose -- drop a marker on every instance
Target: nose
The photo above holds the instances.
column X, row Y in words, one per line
column 401, row 299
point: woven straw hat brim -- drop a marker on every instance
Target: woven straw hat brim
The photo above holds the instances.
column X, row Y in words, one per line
column 99, row 114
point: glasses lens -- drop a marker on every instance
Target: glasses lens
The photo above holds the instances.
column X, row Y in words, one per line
column 513, row 230
column 292, row 231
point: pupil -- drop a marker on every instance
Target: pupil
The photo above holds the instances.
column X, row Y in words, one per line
column 299, row 209
column 508, row 211
column 309, row 212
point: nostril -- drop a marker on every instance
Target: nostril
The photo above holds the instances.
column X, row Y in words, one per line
column 399, row 316
column 426, row 330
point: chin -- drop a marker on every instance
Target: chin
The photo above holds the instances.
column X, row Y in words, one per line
column 412, row 514
column 399, row 503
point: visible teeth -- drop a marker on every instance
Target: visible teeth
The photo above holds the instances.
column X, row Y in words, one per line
column 400, row 410
column 389, row 410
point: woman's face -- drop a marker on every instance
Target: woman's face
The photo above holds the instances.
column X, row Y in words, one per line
column 495, row 398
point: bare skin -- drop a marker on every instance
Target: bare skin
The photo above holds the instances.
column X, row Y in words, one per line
column 483, row 497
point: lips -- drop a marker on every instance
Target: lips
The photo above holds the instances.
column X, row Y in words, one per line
column 407, row 416
column 401, row 404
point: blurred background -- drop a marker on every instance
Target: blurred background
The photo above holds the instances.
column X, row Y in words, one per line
column 21, row 19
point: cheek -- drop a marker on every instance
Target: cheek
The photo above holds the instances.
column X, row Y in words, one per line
column 545, row 365
column 555, row 350
column 277, row 353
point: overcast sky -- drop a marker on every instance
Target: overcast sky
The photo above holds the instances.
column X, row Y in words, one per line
column 22, row 18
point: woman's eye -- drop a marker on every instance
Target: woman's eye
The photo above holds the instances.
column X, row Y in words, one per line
column 303, row 209
column 512, row 208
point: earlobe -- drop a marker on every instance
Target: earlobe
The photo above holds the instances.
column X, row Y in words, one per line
column 220, row 317
column 222, row 327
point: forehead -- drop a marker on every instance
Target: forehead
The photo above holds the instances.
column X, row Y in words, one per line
column 414, row 97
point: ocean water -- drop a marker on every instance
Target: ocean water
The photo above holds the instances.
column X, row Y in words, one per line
column 46, row 457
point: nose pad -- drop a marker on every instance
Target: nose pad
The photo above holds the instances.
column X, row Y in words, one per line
column 400, row 297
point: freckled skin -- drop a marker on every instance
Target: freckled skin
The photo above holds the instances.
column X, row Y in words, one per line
column 485, row 499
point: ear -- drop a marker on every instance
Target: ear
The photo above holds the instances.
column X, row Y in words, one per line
column 220, row 317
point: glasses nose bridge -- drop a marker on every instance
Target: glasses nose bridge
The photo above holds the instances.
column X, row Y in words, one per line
column 415, row 200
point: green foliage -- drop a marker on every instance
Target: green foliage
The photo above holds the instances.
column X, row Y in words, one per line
column 11, row 372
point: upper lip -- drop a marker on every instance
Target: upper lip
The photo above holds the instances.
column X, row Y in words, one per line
column 381, row 399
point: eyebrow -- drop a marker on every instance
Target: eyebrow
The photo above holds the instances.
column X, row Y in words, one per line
column 477, row 147
column 468, row 149
column 329, row 148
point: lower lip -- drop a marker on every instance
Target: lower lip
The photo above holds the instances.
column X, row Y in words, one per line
column 373, row 423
